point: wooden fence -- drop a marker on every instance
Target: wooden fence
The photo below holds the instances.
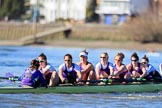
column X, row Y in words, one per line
column 27, row 32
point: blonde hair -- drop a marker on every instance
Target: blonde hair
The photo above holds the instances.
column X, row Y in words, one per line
column 121, row 55
column 106, row 54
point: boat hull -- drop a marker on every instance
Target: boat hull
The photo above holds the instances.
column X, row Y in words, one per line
column 85, row 89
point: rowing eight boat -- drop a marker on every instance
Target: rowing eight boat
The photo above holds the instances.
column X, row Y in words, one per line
column 108, row 86
column 119, row 88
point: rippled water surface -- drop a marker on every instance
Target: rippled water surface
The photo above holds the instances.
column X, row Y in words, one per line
column 16, row 59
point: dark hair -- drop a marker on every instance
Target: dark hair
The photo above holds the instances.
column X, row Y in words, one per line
column 69, row 55
column 135, row 55
column 43, row 56
column 34, row 64
column 85, row 51
column 146, row 58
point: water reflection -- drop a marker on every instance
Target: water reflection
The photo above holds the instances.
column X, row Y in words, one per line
column 81, row 100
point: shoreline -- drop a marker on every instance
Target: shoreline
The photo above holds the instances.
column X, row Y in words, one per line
column 92, row 44
column 106, row 44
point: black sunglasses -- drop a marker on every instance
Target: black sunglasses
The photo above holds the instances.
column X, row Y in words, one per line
column 67, row 60
column 102, row 57
column 144, row 62
column 133, row 60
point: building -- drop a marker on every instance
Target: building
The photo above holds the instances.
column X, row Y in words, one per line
column 61, row 9
column 117, row 11
column 113, row 11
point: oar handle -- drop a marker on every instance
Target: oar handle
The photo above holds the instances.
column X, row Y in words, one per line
column 98, row 81
column 3, row 77
column 13, row 78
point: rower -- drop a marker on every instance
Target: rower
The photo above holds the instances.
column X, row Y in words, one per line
column 87, row 68
column 151, row 71
column 120, row 69
column 160, row 68
column 69, row 72
column 104, row 69
column 32, row 76
column 48, row 71
column 135, row 68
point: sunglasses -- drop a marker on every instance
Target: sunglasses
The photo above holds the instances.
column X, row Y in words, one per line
column 144, row 62
column 134, row 60
column 67, row 60
column 102, row 57
column 42, row 61
column 117, row 60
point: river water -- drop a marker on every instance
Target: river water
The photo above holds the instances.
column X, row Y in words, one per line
column 16, row 59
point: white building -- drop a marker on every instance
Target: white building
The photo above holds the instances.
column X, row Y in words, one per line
column 113, row 11
column 61, row 9
column 117, row 11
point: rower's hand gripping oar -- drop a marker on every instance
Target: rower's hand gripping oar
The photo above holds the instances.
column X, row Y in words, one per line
column 105, row 80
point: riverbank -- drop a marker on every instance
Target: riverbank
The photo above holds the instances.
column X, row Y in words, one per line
column 86, row 36
column 105, row 44
column 92, row 44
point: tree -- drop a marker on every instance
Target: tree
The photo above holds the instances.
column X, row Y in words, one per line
column 90, row 11
column 13, row 9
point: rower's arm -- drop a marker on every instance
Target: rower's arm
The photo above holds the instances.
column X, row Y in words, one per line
column 121, row 70
column 60, row 73
column 79, row 76
column 143, row 71
column 111, row 72
column 88, row 68
column 128, row 67
column 97, row 73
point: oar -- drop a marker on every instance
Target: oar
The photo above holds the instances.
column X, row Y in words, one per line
column 115, row 80
column 11, row 77
column 98, row 81
column 4, row 78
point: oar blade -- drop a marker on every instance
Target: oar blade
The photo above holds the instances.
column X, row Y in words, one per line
column 9, row 75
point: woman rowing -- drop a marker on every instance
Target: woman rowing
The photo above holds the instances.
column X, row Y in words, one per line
column 48, row 71
column 152, row 73
column 104, row 69
column 32, row 76
column 136, row 69
column 120, row 69
column 87, row 69
column 69, row 72
column 160, row 69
